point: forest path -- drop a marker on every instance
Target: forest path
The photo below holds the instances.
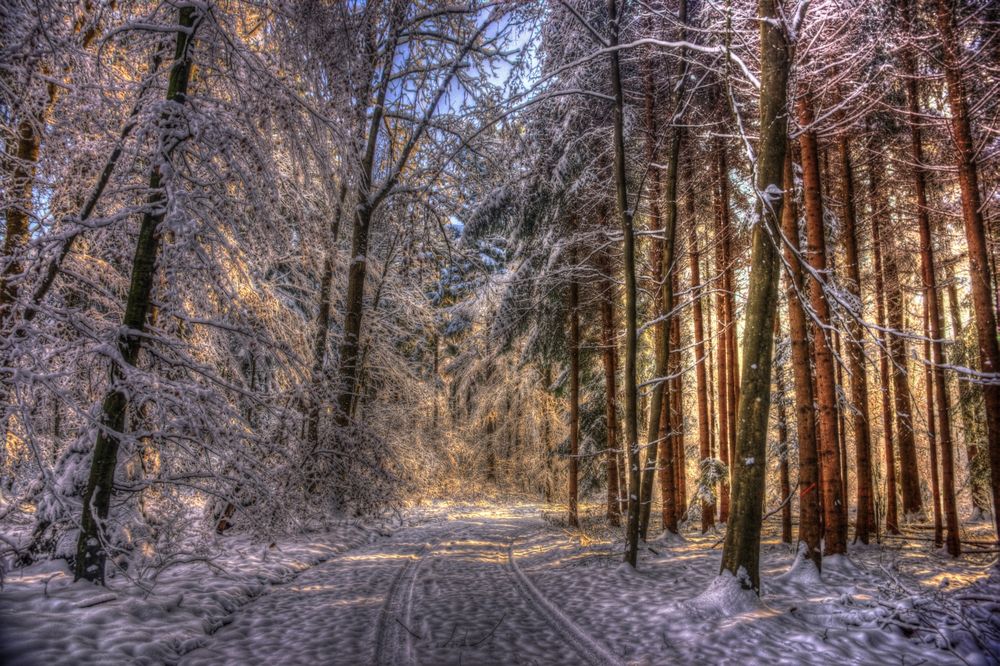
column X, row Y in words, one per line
column 448, row 592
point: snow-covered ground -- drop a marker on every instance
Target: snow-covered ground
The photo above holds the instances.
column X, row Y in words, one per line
column 502, row 585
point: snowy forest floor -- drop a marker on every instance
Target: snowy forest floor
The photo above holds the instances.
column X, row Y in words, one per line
column 506, row 584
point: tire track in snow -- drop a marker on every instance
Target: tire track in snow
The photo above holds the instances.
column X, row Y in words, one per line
column 393, row 636
column 592, row 651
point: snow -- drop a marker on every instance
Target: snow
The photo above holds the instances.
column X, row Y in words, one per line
column 480, row 584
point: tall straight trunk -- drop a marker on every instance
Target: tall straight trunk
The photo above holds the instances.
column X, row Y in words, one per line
column 609, row 357
column 831, row 485
column 721, row 339
column 728, row 317
column 937, row 387
column 741, row 552
column 841, row 425
column 810, row 530
column 891, row 491
column 865, row 523
column 701, row 383
column 625, row 217
column 550, row 454
column 975, row 235
column 574, row 394
column 932, row 440
column 910, row 482
column 970, row 400
column 784, row 475
column 666, row 295
column 91, row 549
column 671, row 491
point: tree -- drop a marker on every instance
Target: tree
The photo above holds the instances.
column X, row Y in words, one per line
column 831, row 482
column 972, row 217
column 91, row 550
column 741, row 552
column 810, row 527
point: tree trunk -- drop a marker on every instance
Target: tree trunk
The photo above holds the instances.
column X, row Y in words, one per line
column 932, row 440
column 91, row 549
column 625, row 217
column 810, row 530
column 912, row 501
column 784, row 476
column 741, row 552
column 831, row 484
column 611, row 409
column 865, row 523
column 666, row 296
column 937, row 388
column 721, row 339
column 704, row 443
column 891, row 504
column 970, row 400
column 322, row 330
column 972, row 217
column 574, row 393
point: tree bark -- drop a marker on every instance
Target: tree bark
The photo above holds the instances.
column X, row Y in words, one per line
column 625, row 217
column 91, row 549
column 865, row 524
column 666, row 296
column 784, row 475
column 831, row 483
column 721, row 336
column 912, row 501
column 574, row 394
column 932, row 440
column 975, row 234
column 741, row 552
column 810, row 529
column 701, row 384
column 891, row 504
column 611, row 409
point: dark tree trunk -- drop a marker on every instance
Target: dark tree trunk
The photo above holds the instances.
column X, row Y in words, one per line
column 741, row 552
column 574, row 394
column 865, row 524
column 910, row 482
column 932, row 440
column 611, row 410
column 625, row 216
column 91, row 549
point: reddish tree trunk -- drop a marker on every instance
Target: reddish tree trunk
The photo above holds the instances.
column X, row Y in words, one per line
column 722, row 340
column 805, row 413
column 859, row 383
column 834, row 507
column 704, row 443
column 972, row 217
